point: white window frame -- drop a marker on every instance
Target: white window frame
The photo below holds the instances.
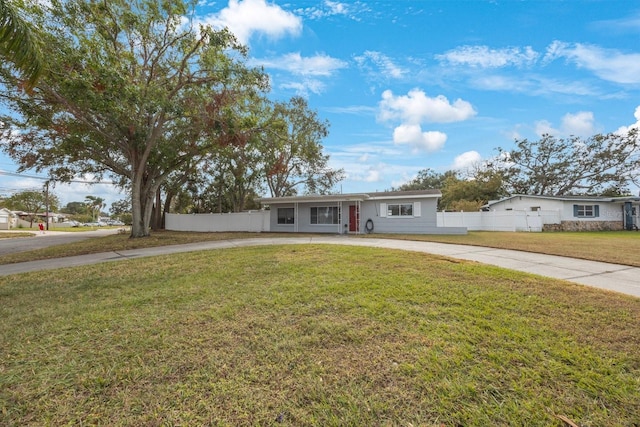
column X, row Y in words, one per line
column 330, row 212
column 387, row 210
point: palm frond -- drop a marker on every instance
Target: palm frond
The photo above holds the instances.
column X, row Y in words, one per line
column 18, row 42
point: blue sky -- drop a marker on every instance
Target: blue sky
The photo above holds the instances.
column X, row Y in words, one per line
column 408, row 85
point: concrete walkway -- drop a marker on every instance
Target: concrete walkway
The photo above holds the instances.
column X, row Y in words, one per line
column 618, row 278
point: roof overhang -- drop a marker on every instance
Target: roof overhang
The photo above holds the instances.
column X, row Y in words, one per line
column 353, row 197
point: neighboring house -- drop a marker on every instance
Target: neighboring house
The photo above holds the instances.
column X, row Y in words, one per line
column 410, row 212
column 577, row 213
column 6, row 219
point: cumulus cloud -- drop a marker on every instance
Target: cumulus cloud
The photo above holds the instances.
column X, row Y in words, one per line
column 466, row 160
column 608, row 64
column 244, row 18
column 581, row 123
column 625, row 129
column 417, row 107
column 382, row 64
column 485, row 57
column 413, row 136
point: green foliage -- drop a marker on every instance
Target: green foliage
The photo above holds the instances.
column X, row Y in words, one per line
column 19, row 42
column 600, row 164
column 75, row 208
column 428, row 179
column 292, row 154
column 32, row 201
column 459, row 194
column 134, row 91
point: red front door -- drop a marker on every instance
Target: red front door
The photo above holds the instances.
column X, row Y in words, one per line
column 354, row 218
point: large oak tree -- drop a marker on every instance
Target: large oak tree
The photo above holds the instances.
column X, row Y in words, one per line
column 133, row 90
column 600, row 164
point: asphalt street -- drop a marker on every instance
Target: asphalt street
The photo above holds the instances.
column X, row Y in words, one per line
column 613, row 277
column 49, row 238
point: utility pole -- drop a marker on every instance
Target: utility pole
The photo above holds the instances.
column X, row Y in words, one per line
column 46, row 203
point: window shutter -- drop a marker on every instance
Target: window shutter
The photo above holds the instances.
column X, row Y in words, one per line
column 575, row 210
column 596, row 211
column 383, row 210
column 416, row 208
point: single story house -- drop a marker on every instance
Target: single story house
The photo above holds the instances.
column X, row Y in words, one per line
column 6, row 219
column 577, row 213
column 407, row 212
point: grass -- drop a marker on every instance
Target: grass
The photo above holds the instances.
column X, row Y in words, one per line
column 313, row 335
column 617, row 247
column 120, row 242
column 614, row 247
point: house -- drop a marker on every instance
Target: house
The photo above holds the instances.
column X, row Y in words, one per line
column 6, row 219
column 577, row 213
column 407, row 212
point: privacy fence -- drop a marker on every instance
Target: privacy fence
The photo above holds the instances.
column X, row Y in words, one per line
column 254, row 221
column 258, row 221
column 499, row 220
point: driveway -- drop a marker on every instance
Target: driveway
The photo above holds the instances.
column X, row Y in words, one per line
column 617, row 278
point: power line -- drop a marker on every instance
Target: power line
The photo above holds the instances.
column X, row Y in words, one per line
column 42, row 178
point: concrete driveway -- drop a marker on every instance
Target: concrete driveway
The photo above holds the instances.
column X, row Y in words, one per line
column 613, row 277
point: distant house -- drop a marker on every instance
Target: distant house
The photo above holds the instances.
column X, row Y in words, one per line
column 577, row 213
column 410, row 212
column 6, row 219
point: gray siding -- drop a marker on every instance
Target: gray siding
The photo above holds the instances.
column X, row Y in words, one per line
column 424, row 220
column 423, row 224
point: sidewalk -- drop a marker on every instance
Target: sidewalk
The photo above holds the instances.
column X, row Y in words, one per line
column 618, row 278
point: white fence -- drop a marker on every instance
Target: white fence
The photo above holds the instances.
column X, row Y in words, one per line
column 255, row 221
column 499, row 220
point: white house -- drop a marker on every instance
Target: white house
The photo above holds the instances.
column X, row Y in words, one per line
column 577, row 213
column 6, row 219
column 410, row 212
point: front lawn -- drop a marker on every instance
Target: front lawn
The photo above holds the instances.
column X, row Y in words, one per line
column 313, row 335
column 617, row 247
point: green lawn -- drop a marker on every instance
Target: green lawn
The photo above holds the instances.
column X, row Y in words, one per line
column 620, row 247
column 313, row 335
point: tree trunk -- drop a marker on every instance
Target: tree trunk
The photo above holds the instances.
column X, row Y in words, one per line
column 156, row 222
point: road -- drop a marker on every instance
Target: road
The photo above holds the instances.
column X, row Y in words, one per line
column 50, row 238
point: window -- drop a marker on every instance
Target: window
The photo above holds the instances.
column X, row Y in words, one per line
column 586, row 211
column 285, row 215
column 403, row 209
column 325, row 215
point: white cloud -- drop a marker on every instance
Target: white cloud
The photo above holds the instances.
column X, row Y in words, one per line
column 318, row 65
column 608, row 64
column 466, row 160
column 625, row 129
column 244, row 18
column 485, row 57
column 383, row 64
column 412, row 135
column 305, row 87
column 544, row 127
column 330, row 8
column 579, row 124
column 416, row 107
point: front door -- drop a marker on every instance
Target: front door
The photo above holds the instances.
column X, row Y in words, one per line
column 354, row 218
